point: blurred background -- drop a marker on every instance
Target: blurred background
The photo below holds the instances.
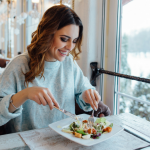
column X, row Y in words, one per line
column 18, row 19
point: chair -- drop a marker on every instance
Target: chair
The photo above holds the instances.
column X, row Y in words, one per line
column 3, row 62
column 2, row 130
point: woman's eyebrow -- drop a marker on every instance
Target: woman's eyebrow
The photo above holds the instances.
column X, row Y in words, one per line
column 68, row 36
column 65, row 36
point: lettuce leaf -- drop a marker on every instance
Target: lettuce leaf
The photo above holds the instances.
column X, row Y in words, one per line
column 98, row 120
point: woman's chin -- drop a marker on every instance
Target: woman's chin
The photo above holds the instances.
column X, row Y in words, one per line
column 61, row 59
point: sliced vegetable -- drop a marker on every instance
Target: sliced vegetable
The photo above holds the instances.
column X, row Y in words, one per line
column 107, row 123
column 111, row 125
column 73, row 126
column 81, row 132
column 98, row 120
column 100, row 132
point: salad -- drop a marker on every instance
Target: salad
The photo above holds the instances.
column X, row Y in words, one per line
column 82, row 129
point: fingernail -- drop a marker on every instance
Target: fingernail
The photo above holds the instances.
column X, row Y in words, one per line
column 95, row 109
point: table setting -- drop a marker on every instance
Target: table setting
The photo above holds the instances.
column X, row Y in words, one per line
column 52, row 137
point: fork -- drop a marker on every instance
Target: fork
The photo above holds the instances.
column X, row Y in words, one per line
column 91, row 119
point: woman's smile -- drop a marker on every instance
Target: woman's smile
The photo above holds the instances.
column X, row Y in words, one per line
column 63, row 53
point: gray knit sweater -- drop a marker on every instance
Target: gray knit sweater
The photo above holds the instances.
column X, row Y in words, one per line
column 64, row 79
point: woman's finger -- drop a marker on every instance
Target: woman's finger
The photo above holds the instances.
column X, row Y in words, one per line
column 89, row 98
column 48, row 98
column 93, row 99
column 97, row 96
column 49, row 101
column 53, row 99
column 37, row 100
column 42, row 99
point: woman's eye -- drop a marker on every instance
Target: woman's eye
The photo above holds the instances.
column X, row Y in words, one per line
column 75, row 41
column 63, row 39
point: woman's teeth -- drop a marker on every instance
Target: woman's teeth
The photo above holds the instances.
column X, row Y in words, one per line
column 64, row 53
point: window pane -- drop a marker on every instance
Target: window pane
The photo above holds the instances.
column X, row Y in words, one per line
column 135, row 49
column 134, row 107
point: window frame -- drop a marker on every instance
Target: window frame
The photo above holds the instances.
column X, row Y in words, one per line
column 112, row 56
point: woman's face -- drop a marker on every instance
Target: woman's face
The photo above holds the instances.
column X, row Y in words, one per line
column 64, row 41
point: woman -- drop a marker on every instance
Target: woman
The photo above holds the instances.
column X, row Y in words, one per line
column 47, row 75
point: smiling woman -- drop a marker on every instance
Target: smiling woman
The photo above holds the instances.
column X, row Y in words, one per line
column 64, row 41
column 56, row 21
column 46, row 75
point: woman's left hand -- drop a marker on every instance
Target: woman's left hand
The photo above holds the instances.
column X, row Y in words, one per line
column 92, row 97
column 103, row 110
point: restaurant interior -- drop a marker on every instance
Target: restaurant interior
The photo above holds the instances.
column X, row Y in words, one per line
column 115, row 58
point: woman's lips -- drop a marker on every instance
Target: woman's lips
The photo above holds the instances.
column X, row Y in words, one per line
column 63, row 53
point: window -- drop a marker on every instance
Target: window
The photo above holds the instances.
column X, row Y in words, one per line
column 135, row 58
column 128, row 52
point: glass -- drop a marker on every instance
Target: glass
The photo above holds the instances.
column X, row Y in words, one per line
column 135, row 52
column 135, row 47
column 137, row 108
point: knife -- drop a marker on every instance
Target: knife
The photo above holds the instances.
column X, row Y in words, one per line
column 69, row 114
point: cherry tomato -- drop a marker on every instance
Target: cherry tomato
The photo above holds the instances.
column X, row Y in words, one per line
column 85, row 121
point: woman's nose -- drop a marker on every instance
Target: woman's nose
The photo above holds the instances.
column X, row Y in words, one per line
column 70, row 45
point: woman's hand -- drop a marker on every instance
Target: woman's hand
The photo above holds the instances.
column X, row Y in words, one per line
column 103, row 110
column 92, row 97
column 41, row 96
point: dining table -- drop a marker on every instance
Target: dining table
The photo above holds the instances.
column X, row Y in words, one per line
column 134, row 136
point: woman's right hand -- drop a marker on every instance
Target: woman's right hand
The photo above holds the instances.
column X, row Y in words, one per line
column 42, row 96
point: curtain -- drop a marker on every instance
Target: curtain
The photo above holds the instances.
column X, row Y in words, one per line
column 90, row 12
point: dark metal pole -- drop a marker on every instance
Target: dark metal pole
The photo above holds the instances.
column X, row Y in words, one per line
column 96, row 72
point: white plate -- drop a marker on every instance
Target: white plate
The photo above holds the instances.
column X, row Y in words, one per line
column 66, row 122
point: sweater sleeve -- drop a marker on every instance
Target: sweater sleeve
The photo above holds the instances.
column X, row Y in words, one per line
column 81, row 84
column 8, row 86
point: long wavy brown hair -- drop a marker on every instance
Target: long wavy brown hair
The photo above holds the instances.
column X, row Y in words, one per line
column 53, row 19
